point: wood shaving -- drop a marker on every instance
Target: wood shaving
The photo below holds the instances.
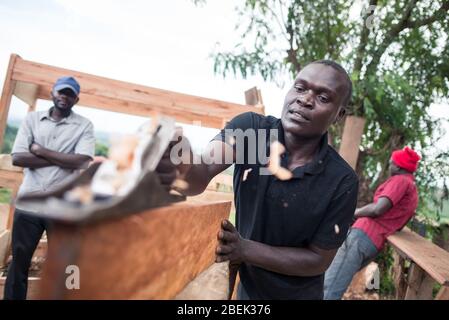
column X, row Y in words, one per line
column 245, row 174
column 274, row 166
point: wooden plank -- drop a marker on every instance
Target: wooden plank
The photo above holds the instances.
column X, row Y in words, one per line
column 33, row 287
column 10, row 179
column 27, row 92
column 420, row 285
column 414, row 281
column 6, row 163
column 350, row 141
column 119, row 91
column 443, row 294
column 160, row 251
column 142, row 109
column 12, row 208
column 431, row 258
column 7, row 92
column 5, row 242
column 398, row 276
column 253, row 97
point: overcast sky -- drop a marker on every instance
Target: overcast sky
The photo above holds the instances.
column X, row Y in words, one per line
column 162, row 44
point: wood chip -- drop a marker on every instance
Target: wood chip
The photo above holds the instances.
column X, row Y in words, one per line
column 82, row 194
column 337, row 229
column 179, row 184
column 122, row 151
column 274, row 166
column 245, row 174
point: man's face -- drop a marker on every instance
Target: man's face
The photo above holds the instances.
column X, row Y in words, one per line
column 314, row 102
column 64, row 99
column 394, row 169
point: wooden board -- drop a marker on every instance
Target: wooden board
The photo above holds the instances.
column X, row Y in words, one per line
column 6, row 163
column 113, row 95
column 5, row 100
column 10, row 179
column 350, row 141
column 150, row 255
column 5, row 241
column 33, row 287
column 431, row 258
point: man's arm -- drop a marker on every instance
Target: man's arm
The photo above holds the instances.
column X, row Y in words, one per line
column 374, row 209
column 29, row 160
column 60, row 159
column 310, row 261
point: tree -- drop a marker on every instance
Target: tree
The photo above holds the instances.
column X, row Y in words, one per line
column 397, row 53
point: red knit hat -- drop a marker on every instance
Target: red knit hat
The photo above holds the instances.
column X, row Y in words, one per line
column 406, row 159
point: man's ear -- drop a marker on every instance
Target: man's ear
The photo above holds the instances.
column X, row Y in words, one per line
column 341, row 113
column 76, row 100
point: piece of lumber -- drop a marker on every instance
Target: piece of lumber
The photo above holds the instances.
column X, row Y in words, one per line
column 114, row 95
column 350, row 140
column 399, row 280
column 7, row 92
column 150, row 255
column 6, row 163
column 5, row 243
column 431, row 258
column 33, row 287
column 211, row 284
column 420, row 284
column 443, row 294
column 10, row 179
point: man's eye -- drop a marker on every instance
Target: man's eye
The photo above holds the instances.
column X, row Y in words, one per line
column 299, row 89
column 323, row 99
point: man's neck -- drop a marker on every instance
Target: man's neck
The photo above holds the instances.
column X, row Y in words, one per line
column 302, row 150
column 58, row 114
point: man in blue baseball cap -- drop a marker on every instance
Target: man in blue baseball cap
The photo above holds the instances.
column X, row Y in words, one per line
column 52, row 146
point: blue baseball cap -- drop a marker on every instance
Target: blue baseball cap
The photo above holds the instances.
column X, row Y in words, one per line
column 67, row 82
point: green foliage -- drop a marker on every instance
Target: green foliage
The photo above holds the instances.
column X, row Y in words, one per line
column 385, row 261
column 5, row 195
column 10, row 135
column 399, row 67
column 101, row 149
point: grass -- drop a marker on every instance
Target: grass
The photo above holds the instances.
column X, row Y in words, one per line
column 5, row 195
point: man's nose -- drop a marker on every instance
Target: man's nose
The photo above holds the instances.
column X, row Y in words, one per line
column 306, row 99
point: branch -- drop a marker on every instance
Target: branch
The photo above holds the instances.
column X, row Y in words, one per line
column 403, row 24
column 437, row 15
column 363, row 41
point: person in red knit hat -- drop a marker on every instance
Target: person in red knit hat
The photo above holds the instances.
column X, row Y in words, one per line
column 395, row 202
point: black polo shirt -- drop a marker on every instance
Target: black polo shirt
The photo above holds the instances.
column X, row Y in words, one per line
column 315, row 207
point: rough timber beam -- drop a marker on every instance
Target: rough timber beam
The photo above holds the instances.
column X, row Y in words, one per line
column 160, row 252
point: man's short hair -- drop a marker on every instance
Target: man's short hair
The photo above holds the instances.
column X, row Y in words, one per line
column 343, row 72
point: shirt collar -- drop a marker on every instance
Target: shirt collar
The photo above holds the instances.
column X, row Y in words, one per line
column 70, row 119
column 319, row 161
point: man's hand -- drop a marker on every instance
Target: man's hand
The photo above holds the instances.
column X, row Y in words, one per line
column 167, row 171
column 231, row 246
column 36, row 149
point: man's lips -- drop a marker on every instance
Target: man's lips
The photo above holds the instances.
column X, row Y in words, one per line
column 298, row 115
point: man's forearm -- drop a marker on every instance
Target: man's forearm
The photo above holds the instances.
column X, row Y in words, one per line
column 197, row 179
column 29, row 160
column 285, row 260
column 64, row 160
column 366, row 211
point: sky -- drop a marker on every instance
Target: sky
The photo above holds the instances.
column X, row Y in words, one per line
column 161, row 44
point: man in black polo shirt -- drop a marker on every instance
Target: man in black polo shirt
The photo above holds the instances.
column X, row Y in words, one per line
column 287, row 231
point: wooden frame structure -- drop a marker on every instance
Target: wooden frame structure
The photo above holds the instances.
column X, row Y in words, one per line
column 30, row 81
